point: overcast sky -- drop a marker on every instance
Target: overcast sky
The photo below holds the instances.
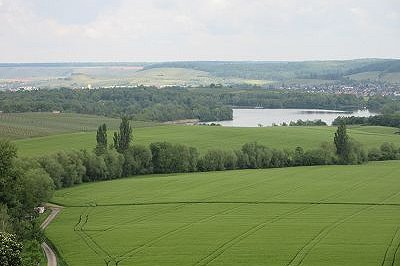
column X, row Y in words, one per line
column 169, row 30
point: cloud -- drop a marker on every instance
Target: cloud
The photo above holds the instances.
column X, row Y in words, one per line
column 157, row 30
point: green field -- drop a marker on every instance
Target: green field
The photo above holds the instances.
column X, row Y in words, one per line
column 27, row 125
column 332, row 215
column 205, row 137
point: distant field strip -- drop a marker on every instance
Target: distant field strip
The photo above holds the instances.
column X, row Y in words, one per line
column 333, row 215
column 206, row 137
column 29, row 125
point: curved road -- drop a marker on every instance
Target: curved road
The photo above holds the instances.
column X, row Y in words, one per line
column 50, row 254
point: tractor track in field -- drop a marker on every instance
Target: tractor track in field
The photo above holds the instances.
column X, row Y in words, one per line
column 233, row 241
column 89, row 241
column 146, row 216
column 149, row 243
column 307, row 248
column 244, row 202
column 303, row 252
column 395, row 254
column 392, row 249
column 324, row 232
column 221, row 249
column 96, row 247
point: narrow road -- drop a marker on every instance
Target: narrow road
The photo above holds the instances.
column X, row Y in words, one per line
column 50, row 254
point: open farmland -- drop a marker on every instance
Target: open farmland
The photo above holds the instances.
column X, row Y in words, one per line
column 207, row 137
column 332, row 215
column 27, row 125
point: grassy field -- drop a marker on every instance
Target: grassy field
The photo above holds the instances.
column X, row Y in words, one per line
column 27, row 125
column 332, row 215
column 205, row 137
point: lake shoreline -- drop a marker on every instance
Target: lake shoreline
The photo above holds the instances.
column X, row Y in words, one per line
column 256, row 117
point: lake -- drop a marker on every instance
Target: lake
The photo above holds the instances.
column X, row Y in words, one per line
column 268, row 117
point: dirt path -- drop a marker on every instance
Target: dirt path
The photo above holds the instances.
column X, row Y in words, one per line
column 50, row 254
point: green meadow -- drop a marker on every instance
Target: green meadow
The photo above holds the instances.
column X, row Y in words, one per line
column 208, row 137
column 331, row 215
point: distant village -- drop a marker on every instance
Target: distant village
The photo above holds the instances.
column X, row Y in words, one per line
column 362, row 89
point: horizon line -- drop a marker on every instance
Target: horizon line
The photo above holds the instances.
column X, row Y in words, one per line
column 191, row 61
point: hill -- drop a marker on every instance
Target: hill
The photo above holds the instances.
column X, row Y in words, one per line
column 301, row 72
column 334, row 215
column 196, row 73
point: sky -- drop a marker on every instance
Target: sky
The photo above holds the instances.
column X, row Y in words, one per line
column 175, row 30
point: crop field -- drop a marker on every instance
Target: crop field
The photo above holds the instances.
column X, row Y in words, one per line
column 103, row 76
column 207, row 137
column 332, row 215
column 27, row 125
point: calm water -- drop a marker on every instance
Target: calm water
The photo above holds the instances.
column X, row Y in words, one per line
column 267, row 117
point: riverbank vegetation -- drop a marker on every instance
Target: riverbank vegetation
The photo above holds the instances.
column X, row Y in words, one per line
column 392, row 120
column 176, row 103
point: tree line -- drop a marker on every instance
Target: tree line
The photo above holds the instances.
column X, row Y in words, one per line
column 204, row 104
column 124, row 158
column 392, row 120
column 141, row 103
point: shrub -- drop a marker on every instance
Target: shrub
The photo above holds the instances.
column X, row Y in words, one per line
column 137, row 160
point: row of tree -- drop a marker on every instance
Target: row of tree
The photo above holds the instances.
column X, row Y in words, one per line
column 392, row 120
column 306, row 123
column 123, row 158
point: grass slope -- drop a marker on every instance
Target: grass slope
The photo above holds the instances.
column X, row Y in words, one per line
column 27, row 125
column 205, row 138
column 333, row 215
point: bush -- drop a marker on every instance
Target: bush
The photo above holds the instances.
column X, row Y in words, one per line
column 217, row 160
column 170, row 158
column 374, row 154
column 114, row 164
column 256, row 156
column 73, row 168
column 137, row 160
column 53, row 168
column 96, row 168
column 357, row 153
column 389, row 151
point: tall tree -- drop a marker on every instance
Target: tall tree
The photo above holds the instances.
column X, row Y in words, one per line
column 123, row 138
column 101, row 138
column 8, row 179
column 342, row 143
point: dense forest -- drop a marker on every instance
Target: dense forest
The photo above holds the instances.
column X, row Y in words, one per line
column 143, row 103
column 204, row 104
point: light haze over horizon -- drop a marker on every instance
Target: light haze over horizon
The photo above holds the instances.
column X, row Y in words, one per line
column 179, row 30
